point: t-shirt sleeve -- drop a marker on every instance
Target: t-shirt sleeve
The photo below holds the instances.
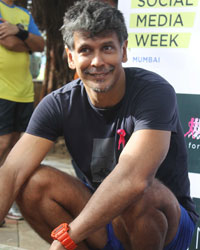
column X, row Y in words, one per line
column 32, row 28
column 156, row 108
column 0, row 17
column 46, row 119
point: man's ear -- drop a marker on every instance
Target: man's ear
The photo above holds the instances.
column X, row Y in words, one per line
column 124, row 51
column 70, row 58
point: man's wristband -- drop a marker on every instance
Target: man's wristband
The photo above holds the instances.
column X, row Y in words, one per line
column 22, row 33
column 61, row 233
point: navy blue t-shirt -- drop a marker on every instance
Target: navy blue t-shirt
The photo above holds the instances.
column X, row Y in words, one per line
column 91, row 133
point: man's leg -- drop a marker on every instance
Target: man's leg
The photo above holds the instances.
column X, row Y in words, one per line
column 14, row 118
column 7, row 137
column 152, row 222
column 7, row 111
column 51, row 197
column 6, row 143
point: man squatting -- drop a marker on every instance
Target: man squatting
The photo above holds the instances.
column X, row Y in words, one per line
column 122, row 129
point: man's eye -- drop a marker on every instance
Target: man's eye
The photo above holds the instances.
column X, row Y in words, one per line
column 108, row 48
column 84, row 50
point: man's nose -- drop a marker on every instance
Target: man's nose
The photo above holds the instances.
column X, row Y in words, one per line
column 97, row 60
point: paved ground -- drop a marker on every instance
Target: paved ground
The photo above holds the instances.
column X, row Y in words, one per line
column 15, row 235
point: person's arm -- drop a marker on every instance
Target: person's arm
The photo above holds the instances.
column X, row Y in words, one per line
column 23, row 159
column 15, row 44
column 8, row 33
column 8, row 38
column 125, row 185
column 35, row 43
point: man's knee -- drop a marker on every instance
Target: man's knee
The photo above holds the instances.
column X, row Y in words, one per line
column 45, row 183
column 157, row 198
column 51, row 187
column 160, row 197
column 33, row 189
column 157, row 213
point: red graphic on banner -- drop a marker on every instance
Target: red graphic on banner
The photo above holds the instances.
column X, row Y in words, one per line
column 194, row 128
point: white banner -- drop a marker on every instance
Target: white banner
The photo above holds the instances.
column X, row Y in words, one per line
column 164, row 36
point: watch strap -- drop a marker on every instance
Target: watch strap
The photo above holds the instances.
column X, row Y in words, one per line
column 61, row 234
column 22, row 33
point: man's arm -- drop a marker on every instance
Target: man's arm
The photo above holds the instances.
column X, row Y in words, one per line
column 8, row 38
column 23, row 159
column 125, row 185
column 10, row 41
column 35, row 43
column 15, row 44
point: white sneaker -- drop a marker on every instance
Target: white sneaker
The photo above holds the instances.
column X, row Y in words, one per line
column 14, row 213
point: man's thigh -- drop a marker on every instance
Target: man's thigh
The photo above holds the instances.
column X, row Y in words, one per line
column 14, row 116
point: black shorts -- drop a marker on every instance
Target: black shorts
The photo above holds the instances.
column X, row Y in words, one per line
column 14, row 116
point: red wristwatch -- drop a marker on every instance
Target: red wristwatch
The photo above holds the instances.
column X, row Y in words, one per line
column 61, row 233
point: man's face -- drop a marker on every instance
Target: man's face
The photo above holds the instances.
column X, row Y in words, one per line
column 98, row 60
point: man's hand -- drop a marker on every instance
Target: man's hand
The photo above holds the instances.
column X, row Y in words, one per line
column 56, row 245
column 7, row 29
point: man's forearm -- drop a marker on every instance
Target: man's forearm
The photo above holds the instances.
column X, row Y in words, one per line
column 14, row 44
column 34, row 42
column 112, row 197
column 12, row 39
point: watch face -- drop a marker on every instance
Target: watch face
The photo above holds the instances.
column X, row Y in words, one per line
column 20, row 26
column 58, row 228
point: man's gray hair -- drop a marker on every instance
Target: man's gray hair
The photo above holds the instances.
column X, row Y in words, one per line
column 95, row 18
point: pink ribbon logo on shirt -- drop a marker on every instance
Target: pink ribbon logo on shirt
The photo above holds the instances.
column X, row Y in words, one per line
column 122, row 134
